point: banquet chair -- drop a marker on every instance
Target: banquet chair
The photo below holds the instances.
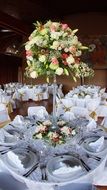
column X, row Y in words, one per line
column 4, row 117
column 38, row 112
column 80, row 111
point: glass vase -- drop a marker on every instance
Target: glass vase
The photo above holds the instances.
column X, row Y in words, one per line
column 54, row 100
column 82, row 81
column 54, row 126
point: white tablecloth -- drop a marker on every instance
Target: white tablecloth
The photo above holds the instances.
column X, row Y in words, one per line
column 10, row 181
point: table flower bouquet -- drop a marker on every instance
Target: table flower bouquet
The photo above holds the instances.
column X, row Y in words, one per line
column 53, row 49
column 43, row 131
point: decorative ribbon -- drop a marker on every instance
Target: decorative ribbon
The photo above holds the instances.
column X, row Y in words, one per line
column 93, row 115
column 4, row 123
column 67, row 108
column 9, row 107
column 21, row 96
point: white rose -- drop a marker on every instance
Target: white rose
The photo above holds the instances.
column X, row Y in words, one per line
column 65, row 34
column 59, row 48
column 33, row 74
column 78, row 53
column 73, row 132
column 61, row 123
column 76, row 66
column 55, row 35
column 29, row 58
column 55, row 45
column 55, row 135
column 66, row 130
column 56, row 24
column 75, row 40
column 39, row 136
column 27, row 47
column 38, row 40
column 59, row 71
column 42, row 58
column 47, row 123
column 70, row 59
column 66, row 50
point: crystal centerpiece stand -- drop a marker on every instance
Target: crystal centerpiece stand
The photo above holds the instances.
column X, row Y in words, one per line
column 54, row 126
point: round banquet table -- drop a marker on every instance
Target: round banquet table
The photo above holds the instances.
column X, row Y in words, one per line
column 22, row 110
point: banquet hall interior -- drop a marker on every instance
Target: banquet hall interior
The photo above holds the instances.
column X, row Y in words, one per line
column 84, row 97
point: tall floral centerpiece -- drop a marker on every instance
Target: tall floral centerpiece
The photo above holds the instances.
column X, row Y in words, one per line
column 84, row 71
column 53, row 49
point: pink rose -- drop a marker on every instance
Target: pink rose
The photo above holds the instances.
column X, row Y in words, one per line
column 64, row 26
column 28, row 53
column 54, row 61
column 53, row 28
column 72, row 49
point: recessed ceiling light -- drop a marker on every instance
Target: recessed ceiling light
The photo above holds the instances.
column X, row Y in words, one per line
column 6, row 30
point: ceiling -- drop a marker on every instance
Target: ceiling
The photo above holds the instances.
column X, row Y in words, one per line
column 30, row 11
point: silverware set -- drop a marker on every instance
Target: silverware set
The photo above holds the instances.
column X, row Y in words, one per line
column 33, row 168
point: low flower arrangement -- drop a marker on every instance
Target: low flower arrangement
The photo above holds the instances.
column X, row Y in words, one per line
column 44, row 132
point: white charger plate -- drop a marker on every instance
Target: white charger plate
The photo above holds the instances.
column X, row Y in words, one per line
column 68, row 161
column 25, row 157
column 87, row 148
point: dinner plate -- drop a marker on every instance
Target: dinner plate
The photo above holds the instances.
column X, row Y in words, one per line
column 64, row 168
column 86, row 145
column 20, row 160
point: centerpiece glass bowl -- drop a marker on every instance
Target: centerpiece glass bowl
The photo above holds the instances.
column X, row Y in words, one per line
column 64, row 168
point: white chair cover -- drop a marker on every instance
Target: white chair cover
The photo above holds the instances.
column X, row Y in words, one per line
column 39, row 111
column 4, row 117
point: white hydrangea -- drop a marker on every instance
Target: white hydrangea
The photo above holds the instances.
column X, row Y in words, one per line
column 55, row 45
column 38, row 40
column 27, row 47
column 75, row 40
column 55, row 35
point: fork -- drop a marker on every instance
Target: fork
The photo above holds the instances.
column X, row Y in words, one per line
column 31, row 170
column 7, row 150
column 87, row 168
column 93, row 156
column 43, row 172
